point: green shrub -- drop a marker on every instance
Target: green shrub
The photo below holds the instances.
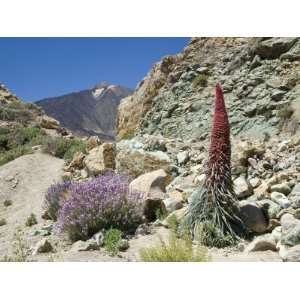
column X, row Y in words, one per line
column 112, row 240
column 174, row 250
column 22, row 136
column 63, row 148
column 200, row 80
column 21, row 250
column 178, row 248
column 31, row 220
column 14, row 153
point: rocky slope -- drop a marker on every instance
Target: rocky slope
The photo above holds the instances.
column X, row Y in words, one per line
column 260, row 77
column 88, row 112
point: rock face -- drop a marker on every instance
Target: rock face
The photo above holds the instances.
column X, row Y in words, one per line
column 259, row 77
column 88, row 112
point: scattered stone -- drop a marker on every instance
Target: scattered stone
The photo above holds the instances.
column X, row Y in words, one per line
column 280, row 199
column 262, row 190
column 253, row 217
column 242, row 187
column 143, row 229
column 271, row 207
column 262, row 243
column 171, row 204
column 182, row 157
column 199, row 180
column 281, row 188
column 290, row 230
column 255, row 182
column 43, row 246
column 123, row 245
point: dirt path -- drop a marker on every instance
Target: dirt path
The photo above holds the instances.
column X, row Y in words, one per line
column 24, row 182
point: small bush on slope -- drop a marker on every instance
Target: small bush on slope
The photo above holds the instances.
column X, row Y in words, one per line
column 17, row 142
column 200, row 80
column 112, row 239
column 55, row 197
column 102, row 203
column 63, row 148
column 178, row 248
column 174, row 250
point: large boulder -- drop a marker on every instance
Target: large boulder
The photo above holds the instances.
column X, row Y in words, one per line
column 133, row 160
column 290, row 232
column 153, row 187
column 253, row 217
column 48, row 122
column 101, row 159
column 280, row 199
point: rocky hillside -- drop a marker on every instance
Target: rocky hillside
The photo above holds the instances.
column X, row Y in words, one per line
column 88, row 112
column 260, row 78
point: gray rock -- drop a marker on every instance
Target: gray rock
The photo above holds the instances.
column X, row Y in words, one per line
column 99, row 238
column 255, row 182
column 292, row 254
column 262, row 243
column 242, row 187
column 88, row 245
column 253, row 217
column 43, row 246
column 276, row 233
column 271, row 207
column 182, row 157
column 280, row 199
column 290, row 230
column 295, row 196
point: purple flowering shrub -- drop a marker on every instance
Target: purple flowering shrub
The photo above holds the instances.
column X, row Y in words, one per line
column 55, row 197
column 101, row 203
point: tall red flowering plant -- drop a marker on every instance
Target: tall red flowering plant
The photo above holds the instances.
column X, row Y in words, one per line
column 213, row 213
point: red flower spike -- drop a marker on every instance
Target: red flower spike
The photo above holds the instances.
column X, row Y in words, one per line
column 218, row 166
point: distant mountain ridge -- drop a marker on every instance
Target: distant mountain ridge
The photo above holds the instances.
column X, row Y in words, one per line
column 88, row 112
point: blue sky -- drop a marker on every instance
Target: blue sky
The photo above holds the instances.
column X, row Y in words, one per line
column 36, row 68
